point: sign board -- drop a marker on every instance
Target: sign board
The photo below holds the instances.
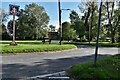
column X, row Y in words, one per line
column 13, row 9
column 53, row 35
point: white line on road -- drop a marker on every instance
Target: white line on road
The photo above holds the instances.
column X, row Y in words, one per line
column 53, row 74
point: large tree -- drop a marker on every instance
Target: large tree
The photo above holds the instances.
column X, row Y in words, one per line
column 111, row 20
column 90, row 18
column 68, row 32
column 80, row 29
column 3, row 17
column 93, row 20
column 116, row 24
column 110, row 17
column 33, row 21
column 74, row 17
column 77, row 24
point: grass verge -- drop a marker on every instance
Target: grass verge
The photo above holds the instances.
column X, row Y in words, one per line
column 25, row 48
column 102, row 44
column 106, row 69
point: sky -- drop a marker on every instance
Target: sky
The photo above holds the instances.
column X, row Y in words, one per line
column 51, row 8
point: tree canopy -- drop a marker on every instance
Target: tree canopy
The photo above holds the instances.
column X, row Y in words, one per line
column 68, row 32
column 32, row 22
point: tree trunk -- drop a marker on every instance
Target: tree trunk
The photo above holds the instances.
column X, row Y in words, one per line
column 92, row 14
column 115, row 28
column 110, row 18
column 86, row 23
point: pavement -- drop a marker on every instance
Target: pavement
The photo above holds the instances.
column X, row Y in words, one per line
column 31, row 65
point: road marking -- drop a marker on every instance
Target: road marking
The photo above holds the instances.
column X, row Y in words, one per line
column 58, row 78
column 57, row 75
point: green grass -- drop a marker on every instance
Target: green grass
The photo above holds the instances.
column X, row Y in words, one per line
column 102, row 44
column 106, row 69
column 32, row 46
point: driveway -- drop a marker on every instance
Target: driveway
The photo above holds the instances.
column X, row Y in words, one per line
column 34, row 64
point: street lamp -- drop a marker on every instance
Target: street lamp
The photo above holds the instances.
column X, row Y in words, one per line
column 65, row 9
column 60, row 11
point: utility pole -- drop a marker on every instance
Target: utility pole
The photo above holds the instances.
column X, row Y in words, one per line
column 60, row 26
column 98, row 32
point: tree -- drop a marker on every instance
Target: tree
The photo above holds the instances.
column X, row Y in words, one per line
column 80, row 29
column 77, row 24
column 119, row 33
column 118, row 30
column 52, row 28
column 116, row 24
column 74, row 17
column 90, row 18
column 33, row 20
column 3, row 17
column 23, row 29
column 93, row 21
column 111, row 17
column 68, row 32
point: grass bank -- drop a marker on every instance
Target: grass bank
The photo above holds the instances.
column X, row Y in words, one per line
column 102, row 44
column 32, row 46
column 106, row 69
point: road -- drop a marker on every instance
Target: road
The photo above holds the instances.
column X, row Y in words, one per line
column 34, row 64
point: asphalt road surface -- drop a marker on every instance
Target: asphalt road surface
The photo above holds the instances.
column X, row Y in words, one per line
column 34, row 64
